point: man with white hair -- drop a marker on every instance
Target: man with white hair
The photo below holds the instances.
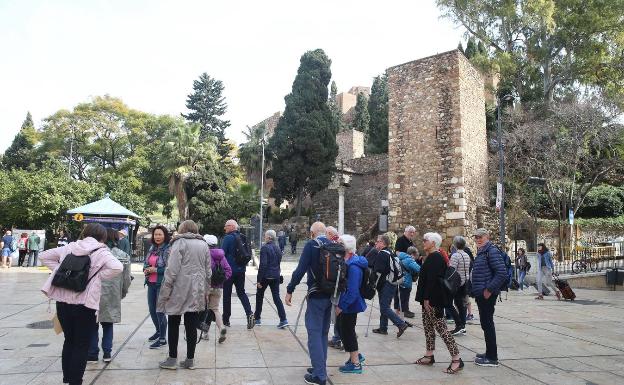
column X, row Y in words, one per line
column 406, row 240
column 351, row 303
column 229, row 243
column 269, row 276
column 332, row 234
column 318, row 312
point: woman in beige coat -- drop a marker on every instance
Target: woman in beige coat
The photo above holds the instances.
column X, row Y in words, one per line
column 184, row 290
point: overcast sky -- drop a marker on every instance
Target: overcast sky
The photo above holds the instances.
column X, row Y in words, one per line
column 56, row 54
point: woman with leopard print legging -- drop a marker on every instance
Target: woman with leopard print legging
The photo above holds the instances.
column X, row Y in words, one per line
column 432, row 296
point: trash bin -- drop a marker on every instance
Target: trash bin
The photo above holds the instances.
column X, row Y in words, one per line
column 615, row 277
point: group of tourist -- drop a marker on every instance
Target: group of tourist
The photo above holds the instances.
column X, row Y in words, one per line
column 187, row 275
column 27, row 245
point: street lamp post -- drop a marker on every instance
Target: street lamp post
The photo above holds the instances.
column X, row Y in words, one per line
column 501, row 167
column 261, row 191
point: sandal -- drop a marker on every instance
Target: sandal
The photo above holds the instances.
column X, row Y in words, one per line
column 450, row 369
column 430, row 360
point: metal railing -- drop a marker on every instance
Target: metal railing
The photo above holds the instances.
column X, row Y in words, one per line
column 589, row 259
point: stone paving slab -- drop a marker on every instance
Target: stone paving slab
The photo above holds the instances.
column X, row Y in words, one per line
column 545, row 342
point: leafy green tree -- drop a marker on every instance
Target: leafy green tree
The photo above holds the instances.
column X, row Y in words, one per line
column 603, row 201
column 376, row 138
column 334, row 108
column 471, row 48
column 304, row 145
column 21, row 153
column 460, row 47
column 361, row 119
column 207, row 106
column 549, row 48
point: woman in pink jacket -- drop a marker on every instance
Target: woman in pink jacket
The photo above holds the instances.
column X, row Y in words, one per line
column 76, row 311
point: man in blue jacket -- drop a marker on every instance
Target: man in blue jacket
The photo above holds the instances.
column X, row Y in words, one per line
column 318, row 312
column 488, row 276
column 238, row 276
column 351, row 303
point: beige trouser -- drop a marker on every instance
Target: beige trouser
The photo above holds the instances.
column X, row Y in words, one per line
column 544, row 277
column 214, row 299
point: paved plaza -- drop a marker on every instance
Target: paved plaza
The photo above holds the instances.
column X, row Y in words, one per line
column 546, row 342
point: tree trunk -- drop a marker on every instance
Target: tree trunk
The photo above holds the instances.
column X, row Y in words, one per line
column 299, row 202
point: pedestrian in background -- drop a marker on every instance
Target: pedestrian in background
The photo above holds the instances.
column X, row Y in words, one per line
column 269, row 276
column 461, row 262
column 522, row 265
column 293, row 237
column 7, row 249
column 154, row 270
column 185, row 290
column 76, row 310
column 410, row 269
column 33, row 249
column 545, row 269
column 22, row 248
column 112, row 292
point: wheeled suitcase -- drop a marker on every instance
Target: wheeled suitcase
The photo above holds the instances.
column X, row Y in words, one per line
column 565, row 289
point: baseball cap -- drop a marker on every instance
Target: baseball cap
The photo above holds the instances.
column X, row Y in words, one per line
column 211, row 240
column 481, row 231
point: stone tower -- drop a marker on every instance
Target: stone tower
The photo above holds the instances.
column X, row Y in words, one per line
column 437, row 153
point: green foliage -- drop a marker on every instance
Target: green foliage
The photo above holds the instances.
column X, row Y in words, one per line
column 471, row 48
column 603, row 201
column 376, row 138
column 21, row 153
column 361, row 121
column 207, row 105
column 546, row 49
column 38, row 199
column 614, row 224
column 304, row 145
column 250, row 152
column 334, row 108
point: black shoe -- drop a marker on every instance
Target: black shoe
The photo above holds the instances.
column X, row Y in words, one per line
column 92, row 360
column 154, row 337
column 107, row 357
column 310, row 370
column 250, row 321
column 409, row 324
column 402, row 329
column 226, row 323
column 380, row 331
column 459, row 331
column 484, row 361
column 409, row 314
column 313, row 380
column 480, row 355
column 335, row 344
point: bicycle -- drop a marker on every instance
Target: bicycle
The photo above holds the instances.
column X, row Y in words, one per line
column 584, row 264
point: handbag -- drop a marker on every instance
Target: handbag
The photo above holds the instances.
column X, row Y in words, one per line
column 451, row 280
column 467, row 282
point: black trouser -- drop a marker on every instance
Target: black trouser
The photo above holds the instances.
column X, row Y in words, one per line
column 404, row 292
column 191, row 320
column 238, row 280
column 274, row 285
column 77, row 322
column 22, row 257
column 458, row 312
column 486, row 316
column 346, row 323
column 293, row 247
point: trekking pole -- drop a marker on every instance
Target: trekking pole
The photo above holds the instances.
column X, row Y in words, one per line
column 370, row 315
column 299, row 315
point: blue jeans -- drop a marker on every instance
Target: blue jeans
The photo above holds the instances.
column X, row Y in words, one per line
column 317, row 320
column 238, row 281
column 521, row 276
column 386, row 295
column 107, row 339
column 159, row 319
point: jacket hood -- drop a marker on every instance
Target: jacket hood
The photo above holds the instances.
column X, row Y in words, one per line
column 217, row 254
column 358, row 260
column 85, row 246
column 403, row 255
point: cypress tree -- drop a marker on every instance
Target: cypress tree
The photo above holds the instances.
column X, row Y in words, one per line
column 362, row 118
column 376, row 139
column 21, row 153
column 303, row 148
column 471, row 48
column 333, row 107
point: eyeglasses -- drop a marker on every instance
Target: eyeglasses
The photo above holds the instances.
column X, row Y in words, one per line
column 478, row 236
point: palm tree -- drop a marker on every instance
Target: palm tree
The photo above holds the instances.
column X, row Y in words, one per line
column 184, row 154
column 250, row 153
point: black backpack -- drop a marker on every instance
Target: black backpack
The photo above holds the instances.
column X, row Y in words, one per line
column 242, row 254
column 332, row 277
column 218, row 275
column 73, row 274
column 369, row 283
column 451, row 280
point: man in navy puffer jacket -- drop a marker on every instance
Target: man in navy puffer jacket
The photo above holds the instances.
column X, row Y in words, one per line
column 488, row 276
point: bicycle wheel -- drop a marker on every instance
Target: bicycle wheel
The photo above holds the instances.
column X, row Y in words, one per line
column 593, row 265
column 577, row 266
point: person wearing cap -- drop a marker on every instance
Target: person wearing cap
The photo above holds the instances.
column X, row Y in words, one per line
column 124, row 244
column 215, row 293
column 487, row 277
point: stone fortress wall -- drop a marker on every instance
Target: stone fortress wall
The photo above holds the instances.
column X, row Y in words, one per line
column 437, row 145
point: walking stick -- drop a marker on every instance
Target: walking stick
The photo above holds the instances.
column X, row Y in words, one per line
column 370, row 315
column 299, row 315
